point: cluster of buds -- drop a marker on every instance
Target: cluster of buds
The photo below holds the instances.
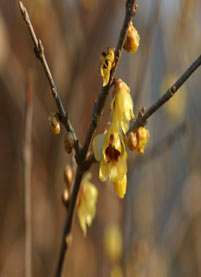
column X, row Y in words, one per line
column 138, row 140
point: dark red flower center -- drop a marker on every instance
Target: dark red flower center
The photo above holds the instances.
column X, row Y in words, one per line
column 112, row 154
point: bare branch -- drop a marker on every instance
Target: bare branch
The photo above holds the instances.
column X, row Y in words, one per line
column 40, row 54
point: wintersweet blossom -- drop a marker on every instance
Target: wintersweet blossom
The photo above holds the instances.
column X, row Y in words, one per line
column 107, row 61
column 122, row 105
column 109, row 148
column 86, row 205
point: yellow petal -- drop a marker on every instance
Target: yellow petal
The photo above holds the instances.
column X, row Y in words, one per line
column 98, row 146
column 117, row 170
column 120, row 186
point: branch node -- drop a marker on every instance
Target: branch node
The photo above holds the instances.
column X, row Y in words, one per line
column 173, row 90
column 40, row 47
column 54, row 93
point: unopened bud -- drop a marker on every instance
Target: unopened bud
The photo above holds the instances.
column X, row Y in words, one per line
column 54, row 124
column 131, row 141
column 68, row 142
column 132, row 39
column 68, row 176
column 65, row 197
column 138, row 141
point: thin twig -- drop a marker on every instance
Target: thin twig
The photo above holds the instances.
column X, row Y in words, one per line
column 27, row 176
column 40, row 54
column 143, row 116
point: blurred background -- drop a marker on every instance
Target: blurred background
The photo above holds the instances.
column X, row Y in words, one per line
column 156, row 229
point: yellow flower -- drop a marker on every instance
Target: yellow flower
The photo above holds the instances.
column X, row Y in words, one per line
column 137, row 141
column 86, row 206
column 132, row 39
column 107, row 61
column 122, row 105
column 109, row 148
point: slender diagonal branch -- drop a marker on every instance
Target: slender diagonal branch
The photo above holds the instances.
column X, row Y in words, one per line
column 142, row 118
column 40, row 54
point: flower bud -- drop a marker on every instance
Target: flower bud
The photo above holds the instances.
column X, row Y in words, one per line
column 68, row 142
column 68, row 176
column 138, row 141
column 54, row 124
column 132, row 39
column 131, row 141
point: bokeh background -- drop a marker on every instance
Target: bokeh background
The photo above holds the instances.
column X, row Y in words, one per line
column 156, row 229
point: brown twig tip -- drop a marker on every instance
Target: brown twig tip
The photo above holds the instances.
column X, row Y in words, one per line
column 22, row 8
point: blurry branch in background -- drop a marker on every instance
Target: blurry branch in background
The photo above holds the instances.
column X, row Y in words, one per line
column 27, row 175
column 143, row 116
column 40, row 54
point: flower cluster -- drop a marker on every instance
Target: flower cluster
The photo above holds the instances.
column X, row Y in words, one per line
column 109, row 148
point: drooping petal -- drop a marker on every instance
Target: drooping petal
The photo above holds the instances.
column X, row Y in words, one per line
column 117, row 170
column 122, row 105
column 120, row 186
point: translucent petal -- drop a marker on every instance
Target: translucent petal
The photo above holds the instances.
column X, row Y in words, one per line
column 98, row 146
